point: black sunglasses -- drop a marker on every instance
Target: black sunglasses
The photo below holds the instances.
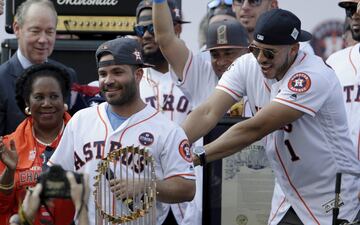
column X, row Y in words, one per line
column 215, row 3
column 252, row 3
column 350, row 9
column 140, row 30
column 268, row 53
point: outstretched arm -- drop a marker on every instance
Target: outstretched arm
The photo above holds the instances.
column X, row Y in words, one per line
column 205, row 117
column 172, row 47
column 270, row 118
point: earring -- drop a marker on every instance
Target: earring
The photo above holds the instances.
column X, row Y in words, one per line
column 27, row 111
column 66, row 107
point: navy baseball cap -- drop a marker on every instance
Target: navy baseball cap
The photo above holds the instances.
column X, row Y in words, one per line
column 226, row 34
column 175, row 10
column 279, row 27
column 126, row 51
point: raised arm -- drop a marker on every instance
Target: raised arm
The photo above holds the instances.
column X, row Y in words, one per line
column 172, row 47
column 272, row 117
column 207, row 115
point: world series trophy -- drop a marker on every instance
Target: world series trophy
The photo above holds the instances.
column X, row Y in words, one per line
column 133, row 167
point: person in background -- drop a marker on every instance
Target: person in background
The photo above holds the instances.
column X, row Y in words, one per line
column 79, row 196
column 40, row 93
column 197, row 78
column 35, row 29
column 1, row 7
column 346, row 64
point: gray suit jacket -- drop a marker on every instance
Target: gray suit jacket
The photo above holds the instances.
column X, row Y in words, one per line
column 10, row 114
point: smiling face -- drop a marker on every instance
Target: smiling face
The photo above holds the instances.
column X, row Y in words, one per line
column 283, row 57
column 46, row 102
column 248, row 11
column 118, row 83
column 221, row 59
column 355, row 24
column 36, row 36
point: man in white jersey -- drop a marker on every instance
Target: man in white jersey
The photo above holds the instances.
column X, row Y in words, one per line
column 125, row 120
column 346, row 64
column 309, row 137
column 157, row 87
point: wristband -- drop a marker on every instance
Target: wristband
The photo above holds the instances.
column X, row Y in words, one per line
column 158, row 1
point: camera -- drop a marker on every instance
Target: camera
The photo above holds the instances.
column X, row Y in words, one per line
column 55, row 183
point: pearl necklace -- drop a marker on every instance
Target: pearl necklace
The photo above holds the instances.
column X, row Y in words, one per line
column 48, row 144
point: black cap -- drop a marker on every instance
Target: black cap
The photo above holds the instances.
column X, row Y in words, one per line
column 174, row 9
column 279, row 27
column 348, row 3
column 126, row 51
column 226, row 34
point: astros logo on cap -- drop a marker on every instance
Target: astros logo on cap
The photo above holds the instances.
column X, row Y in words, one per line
column 137, row 55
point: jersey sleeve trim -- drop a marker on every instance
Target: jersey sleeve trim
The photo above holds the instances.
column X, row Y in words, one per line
column 229, row 91
column 184, row 175
column 296, row 106
column 351, row 61
column 186, row 69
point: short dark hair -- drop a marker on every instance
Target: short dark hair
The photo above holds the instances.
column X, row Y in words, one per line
column 25, row 81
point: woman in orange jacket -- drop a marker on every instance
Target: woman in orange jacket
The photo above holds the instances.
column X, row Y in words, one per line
column 40, row 92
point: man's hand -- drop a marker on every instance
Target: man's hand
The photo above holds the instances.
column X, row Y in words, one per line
column 123, row 189
column 8, row 156
column 31, row 202
column 76, row 190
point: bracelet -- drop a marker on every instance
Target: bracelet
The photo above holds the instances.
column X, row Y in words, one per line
column 158, row 1
column 6, row 187
column 23, row 219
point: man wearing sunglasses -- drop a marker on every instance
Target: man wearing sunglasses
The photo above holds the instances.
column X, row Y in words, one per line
column 301, row 115
column 248, row 12
column 346, row 65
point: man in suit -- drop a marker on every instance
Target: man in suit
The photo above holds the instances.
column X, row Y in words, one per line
column 35, row 28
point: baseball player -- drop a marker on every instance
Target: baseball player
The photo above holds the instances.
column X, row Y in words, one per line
column 309, row 138
column 156, row 87
column 346, row 65
column 125, row 120
column 198, row 76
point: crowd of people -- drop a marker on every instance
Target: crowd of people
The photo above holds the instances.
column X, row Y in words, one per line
column 156, row 93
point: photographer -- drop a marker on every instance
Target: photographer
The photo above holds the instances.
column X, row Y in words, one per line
column 31, row 203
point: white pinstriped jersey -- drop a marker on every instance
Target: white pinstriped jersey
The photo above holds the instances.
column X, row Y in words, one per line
column 173, row 103
column 346, row 65
column 199, row 79
column 307, row 154
column 89, row 136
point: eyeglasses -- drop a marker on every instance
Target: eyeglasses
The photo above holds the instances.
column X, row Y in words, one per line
column 350, row 9
column 268, row 53
column 252, row 3
column 140, row 30
column 215, row 3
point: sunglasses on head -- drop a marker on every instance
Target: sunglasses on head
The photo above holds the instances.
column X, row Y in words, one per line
column 215, row 3
column 140, row 30
column 250, row 2
column 350, row 9
column 268, row 53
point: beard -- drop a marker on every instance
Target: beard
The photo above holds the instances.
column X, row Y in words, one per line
column 129, row 93
column 154, row 58
column 355, row 35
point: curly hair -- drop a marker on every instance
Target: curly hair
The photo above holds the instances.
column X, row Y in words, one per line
column 25, row 81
